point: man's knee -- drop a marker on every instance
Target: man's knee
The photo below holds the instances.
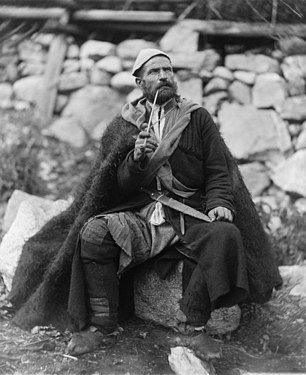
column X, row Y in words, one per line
column 94, row 230
column 97, row 244
column 227, row 231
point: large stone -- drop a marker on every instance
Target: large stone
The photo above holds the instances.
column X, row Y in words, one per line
column 254, row 63
column 150, row 301
column 96, row 49
column 246, row 77
column 29, row 89
column 197, row 61
column 92, row 104
column 205, row 75
column 129, row 48
column 191, row 89
column 5, row 60
column 256, row 177
column 7, row 104
column 301, row 139
column 69, row 130
column 223, row 72
column 269, row 91
column 6, row 91
column 183, row 361
column 12, row 72
column 157, row 300
column 6, row 95
column 290, row 176
column 72, row 81
column 294, row 66
column 294, row 109
column 300, row 205
column 249, row 131
column 61, row 102
column 184, row 75
column 71, row 65
column 216, row 84
column 296, row 86
column 3, row 75
column 134, row 94
column 98, row 131
column 182, row 37
column 99, row 77
column 123, row 81
column 31, row 216
column 13, row 204
column 110, row 64
column 294, row 129
column 44, row 39
column 240, row 92
column 73, row 51
column 87, row 64
column 292, row 45
column 295, row 277
column 29, row 50
column 8, row 48
column 294, row 71
column 213, row 101
column 31, row 68
column 21, row 105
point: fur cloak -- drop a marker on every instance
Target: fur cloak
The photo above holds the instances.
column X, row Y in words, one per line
column 42, row 279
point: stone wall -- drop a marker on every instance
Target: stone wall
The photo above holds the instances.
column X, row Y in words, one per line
column 257, row 98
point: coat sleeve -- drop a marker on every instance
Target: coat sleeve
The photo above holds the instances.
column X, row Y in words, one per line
column 217, row 185
column 131, row 174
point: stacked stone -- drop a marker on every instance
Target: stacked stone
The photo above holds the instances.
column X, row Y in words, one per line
column 257, row 100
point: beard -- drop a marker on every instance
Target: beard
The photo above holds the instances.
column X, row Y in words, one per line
column 167, row 91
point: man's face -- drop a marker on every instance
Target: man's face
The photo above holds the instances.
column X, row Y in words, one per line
column 156, row 74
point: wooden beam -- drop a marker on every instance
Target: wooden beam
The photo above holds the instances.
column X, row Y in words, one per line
column 244, row 29
column 56, row 56
column 86, row 15
column 30, row 13
column 148, row 27
column 123, row 15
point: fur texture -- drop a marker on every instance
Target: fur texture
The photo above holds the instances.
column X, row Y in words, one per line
column 41, row 282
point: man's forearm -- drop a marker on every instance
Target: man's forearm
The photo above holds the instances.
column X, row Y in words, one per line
column 131, row 174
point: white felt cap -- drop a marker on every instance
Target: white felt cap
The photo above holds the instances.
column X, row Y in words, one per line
column 144, row 56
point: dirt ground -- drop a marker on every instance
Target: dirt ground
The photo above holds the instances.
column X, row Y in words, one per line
column 271, row 338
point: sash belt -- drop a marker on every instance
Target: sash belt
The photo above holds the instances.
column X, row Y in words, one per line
column 176, row 205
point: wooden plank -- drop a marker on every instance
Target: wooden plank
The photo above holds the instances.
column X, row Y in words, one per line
column 123, row 15
column 30, row 13
column 148, row 27
column 85, row 3
column 56, row 56
column 87, row 15
column 244, row 29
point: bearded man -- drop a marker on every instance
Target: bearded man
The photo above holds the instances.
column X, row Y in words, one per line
column 179, row 156
column 164, row 184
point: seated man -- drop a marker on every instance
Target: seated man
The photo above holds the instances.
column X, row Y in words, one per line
column 176, row 192
column 163, row 178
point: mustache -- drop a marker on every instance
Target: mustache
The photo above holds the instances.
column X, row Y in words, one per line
column 165, row 84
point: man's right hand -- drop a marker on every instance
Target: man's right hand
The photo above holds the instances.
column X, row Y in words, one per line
column 144, row 144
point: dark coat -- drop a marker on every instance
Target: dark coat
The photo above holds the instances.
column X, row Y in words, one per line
column 42, row 280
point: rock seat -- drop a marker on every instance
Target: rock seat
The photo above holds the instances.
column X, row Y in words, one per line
column 157, row 300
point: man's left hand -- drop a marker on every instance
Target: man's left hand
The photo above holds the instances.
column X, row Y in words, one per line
column 220, row 214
